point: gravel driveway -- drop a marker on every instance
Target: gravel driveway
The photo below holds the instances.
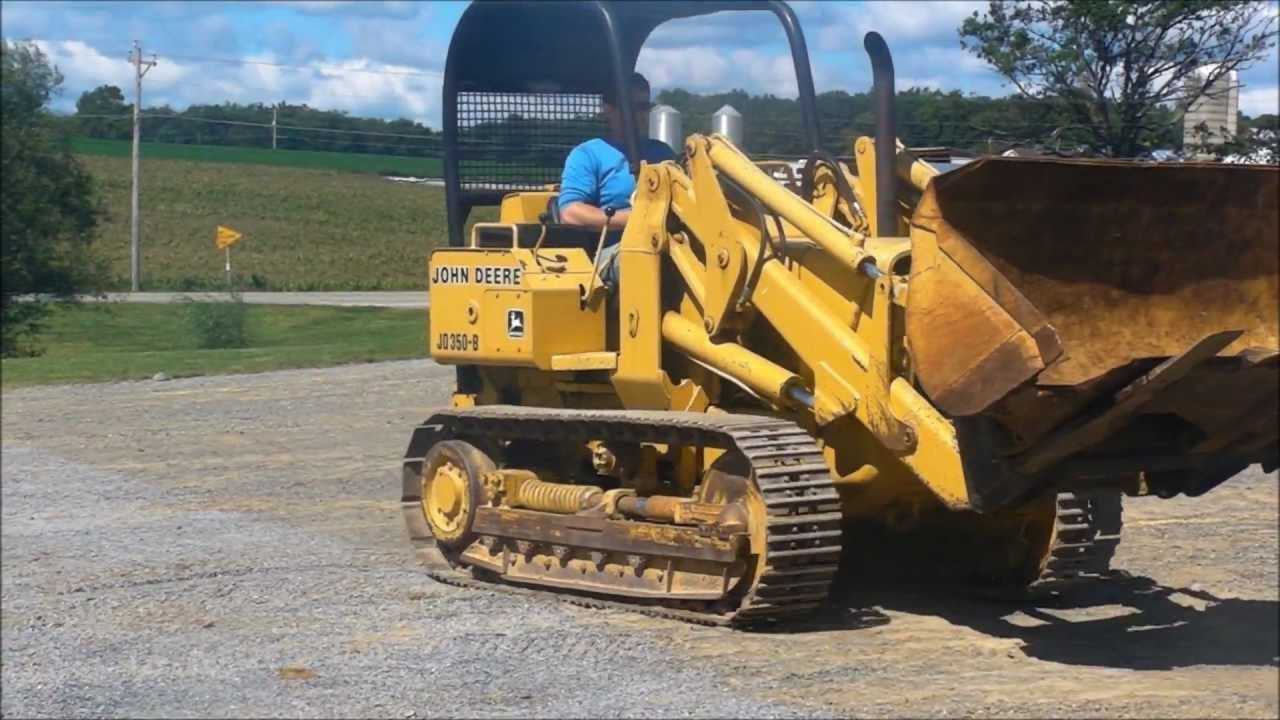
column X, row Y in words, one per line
column 231, row 546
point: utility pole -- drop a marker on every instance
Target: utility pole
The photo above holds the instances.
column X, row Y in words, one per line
column 140, row 68
column 274, row 112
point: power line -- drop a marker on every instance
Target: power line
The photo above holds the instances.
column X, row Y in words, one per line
column 427, row 152
column 214, row 121
column 430, row 139
column 427, row 135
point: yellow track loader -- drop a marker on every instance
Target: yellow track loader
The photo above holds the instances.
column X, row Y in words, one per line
column 977, row 359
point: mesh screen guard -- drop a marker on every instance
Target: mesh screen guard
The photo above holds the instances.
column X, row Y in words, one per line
column 519, row 141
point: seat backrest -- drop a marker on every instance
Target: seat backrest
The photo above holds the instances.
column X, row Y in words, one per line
column 558, row 236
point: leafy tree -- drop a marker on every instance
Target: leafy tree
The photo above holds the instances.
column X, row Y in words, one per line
column 1257, row 139
column 248, row 125
column 47, row 208
column 1111, row 65
column 96, row 109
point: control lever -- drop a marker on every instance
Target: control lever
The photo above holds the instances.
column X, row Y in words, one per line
column 556, row 264
column 544, row 219
column 595, row 271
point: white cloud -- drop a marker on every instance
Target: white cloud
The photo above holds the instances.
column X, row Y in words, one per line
column 841, row 26
column 396, row 42
column 84, row 67
column 344, row 86
column 359, row 86
column 951, row 59
column 692, row 68
column 1260, row 100
column 726, row 29
column 702, row 69
column 723, row 52
column 772, row 73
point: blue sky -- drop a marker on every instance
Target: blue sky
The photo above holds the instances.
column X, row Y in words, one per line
column 385, row 58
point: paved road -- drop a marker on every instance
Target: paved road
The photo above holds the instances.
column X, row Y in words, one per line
column 232, row 546
column 410, row 299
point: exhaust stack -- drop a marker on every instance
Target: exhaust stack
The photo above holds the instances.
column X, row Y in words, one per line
column 886, row 135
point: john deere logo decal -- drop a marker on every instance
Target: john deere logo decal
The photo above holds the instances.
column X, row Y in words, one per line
column 515, row 323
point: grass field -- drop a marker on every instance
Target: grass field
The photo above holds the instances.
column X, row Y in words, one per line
column 312, row 159
column 122, row 341
column 304, row 229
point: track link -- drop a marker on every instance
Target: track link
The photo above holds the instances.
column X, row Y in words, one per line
column 803, row 536
column 1085, row 537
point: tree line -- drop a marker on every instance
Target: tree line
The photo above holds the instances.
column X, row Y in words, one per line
column 771, row 125
column 925, row 117
column 934, row 118
column 103, row 113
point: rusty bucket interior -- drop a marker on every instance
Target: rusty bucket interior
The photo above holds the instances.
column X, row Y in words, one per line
column 1040, row 284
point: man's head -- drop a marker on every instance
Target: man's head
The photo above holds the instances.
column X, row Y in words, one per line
column 639, row 99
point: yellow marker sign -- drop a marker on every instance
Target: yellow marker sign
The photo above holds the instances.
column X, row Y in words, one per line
column 226, row 237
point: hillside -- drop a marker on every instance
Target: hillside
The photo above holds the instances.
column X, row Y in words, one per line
column 305, row 229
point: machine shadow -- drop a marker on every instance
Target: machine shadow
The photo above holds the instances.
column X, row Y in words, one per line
column 1126, row 621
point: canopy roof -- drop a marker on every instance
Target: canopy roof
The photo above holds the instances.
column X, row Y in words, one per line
column 505, row 46
column 504, row 49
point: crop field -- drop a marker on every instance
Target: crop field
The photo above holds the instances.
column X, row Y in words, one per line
column 313, row 159
column 304, row 229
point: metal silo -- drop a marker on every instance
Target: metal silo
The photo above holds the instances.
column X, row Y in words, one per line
column 664, row 125
column 728, row 122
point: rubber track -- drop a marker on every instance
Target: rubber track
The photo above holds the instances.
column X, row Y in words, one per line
column 803, row 537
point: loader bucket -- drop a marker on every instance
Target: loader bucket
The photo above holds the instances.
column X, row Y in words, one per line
column 1041, row 286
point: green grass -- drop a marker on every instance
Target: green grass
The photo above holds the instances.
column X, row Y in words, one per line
column 121, row 341
column 313, row 159
column 304, row 229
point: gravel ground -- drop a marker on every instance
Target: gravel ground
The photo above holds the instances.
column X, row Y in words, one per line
column 231, row 546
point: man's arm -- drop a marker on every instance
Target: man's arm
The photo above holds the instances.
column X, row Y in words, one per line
column 580, row 192
column 580, row 213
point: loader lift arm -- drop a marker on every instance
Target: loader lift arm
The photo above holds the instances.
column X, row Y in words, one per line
column 720, row 257
column 844, row 358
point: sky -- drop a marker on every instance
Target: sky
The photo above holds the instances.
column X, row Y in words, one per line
column 385, row 59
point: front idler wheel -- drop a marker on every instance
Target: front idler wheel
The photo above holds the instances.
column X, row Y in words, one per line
column 452, row 489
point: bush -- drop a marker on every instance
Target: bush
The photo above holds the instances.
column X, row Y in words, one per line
column 217, row 325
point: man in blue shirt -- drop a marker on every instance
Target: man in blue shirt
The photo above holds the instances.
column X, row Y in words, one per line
column 597, row 174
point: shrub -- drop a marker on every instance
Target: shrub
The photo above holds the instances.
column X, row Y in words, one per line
column 217, row 325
